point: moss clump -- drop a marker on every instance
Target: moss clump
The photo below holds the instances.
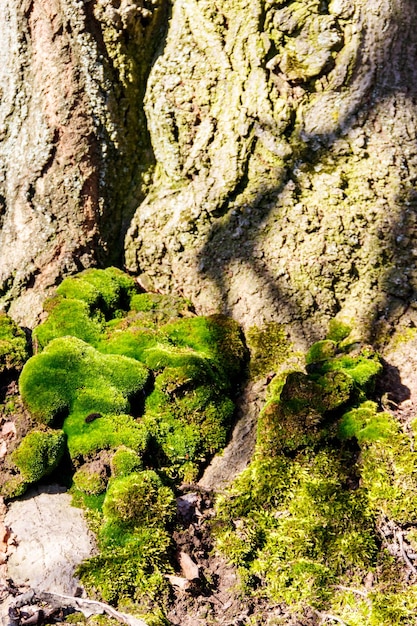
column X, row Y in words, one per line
column 83, row 303
column 135, row 381
column 139, row 499
column 108, row 291
column 90, row 482
column 130, row 566
column 321, row 351
column 338, row 331
column 13, row 345
column 196, row 362
column 301, row 522
column 108, row 433
column 71, row 376
column 300, row 529
column 387, row 464
column 68, row 317
column 124, row 462
column 133, row 540
column 39, row 454
column 269, row 348
column 216, row 338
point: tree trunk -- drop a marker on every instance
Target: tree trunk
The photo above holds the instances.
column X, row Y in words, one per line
column 284, row 136
column 285, row 139
column 74, row 150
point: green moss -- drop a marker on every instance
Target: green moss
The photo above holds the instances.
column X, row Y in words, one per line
column 129, row 566
column 338, row 331
column 133, row 540
column 138, row 377
column 68, row 317
column 217, row 338
column 321, row 351
column 299, row 528
column 14, row 487
column 83, row 303
column 106, row 290
column 13, row 345
column 366, row 424
column 39, row 454
column 71, row 376
column 139, row 499
column 125, row 461
column 363, row 368
column 107, row 433
column 294, row 414
column 269, row 348
column 160, row 308
column 301, row 522
column 92, row 483
column 388, row 464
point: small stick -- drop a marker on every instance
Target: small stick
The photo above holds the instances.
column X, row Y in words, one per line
column 89, row 607
column 404, row 553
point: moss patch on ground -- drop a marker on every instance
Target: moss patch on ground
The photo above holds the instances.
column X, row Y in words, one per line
column 304, row 522
column 139, row 393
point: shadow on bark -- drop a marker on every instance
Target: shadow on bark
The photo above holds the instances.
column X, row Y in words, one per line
column 236, row 236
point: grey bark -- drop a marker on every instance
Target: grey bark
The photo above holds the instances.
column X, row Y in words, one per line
column 74, row 149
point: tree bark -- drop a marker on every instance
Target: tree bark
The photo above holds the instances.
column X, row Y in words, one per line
column 284, row 138
column 74, row 149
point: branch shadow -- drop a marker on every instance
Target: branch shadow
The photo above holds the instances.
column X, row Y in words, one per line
column 237, row 235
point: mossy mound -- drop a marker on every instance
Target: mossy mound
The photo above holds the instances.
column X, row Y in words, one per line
column 139, row 499
column 196, row 363
column 72, row 378
column 133, row 540
column 39, row 454
column 301, row 522
column 135, row 381
column 83, row 303
column 13, row 345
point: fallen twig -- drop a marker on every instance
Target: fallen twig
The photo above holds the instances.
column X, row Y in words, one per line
column 90, row 607
column 83, row 605
column 399, row 535
column 335, row 618
column 358, row 592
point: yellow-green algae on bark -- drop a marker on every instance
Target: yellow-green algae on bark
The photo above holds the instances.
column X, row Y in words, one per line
column 284, row 135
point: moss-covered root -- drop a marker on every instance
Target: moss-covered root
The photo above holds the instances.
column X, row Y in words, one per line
column 330, row 469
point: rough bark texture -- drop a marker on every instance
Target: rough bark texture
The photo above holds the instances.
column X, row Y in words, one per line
column 285, row 139
column 74, row 150
column 284, row 134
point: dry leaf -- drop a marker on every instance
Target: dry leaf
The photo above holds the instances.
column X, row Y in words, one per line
column 179, row 581
column 8, row 429
column 189, row 568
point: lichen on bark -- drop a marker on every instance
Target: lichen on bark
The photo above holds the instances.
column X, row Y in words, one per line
column 284, row 134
